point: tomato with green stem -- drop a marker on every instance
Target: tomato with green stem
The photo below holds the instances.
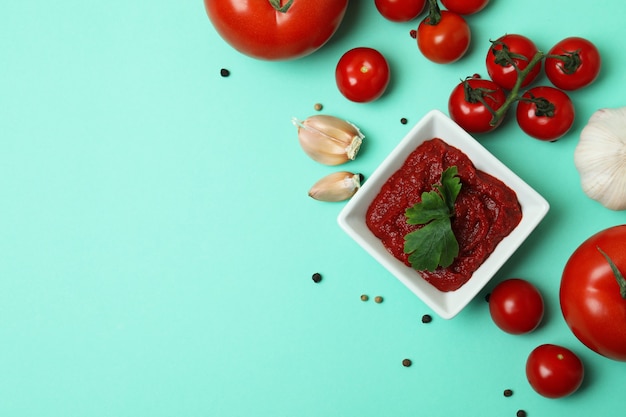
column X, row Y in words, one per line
column 593, row 292
column 573, row 63
column 464, row 7
column 554, row 371
column 545, row 113
column 473, row 104
column 443, row 37
column 276, row 29
column 400, row 10
column 362, row 74
column 507, row 56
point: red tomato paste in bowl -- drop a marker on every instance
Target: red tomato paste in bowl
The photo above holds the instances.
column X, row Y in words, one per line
column 486, row 210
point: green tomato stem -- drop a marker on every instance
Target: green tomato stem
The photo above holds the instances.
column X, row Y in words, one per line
column 278, row 7
column 514, row 94
column 434, row 13
column 621, row 281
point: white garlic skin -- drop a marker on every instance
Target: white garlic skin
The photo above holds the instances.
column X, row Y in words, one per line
column 328, row 139
column 338, row 186
column 600, row 158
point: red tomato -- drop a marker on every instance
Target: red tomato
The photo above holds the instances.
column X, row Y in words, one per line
column 446, row 41
column 464, row 6
column 400, row 10
column 260, row 30
column 362, row 74
column 516, row 306
column 573, row 63
column 545, row 113
column 554, row 371
column 590, row 297
column 508, row 53
column 472, row 103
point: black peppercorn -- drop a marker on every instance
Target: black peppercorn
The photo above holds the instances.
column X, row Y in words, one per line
column 521, row 413
column 224, row 72
column 406, row 362
column 404, row 120
column 427, row 318
column 508, row 392
column 317, row 277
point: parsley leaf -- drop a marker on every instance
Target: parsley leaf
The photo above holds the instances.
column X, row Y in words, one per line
column 434, row 244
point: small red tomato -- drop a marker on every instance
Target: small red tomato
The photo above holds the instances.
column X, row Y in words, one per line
column 573, row 63
column 472, row 104
column 545, row 113
column 445, row 41
column 508, row 53
column 362, row 74
column 400, row 10
column 554, row 371
column 464, row 6
column 516, row 306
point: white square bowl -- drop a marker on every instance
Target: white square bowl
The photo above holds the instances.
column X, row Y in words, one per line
column 437, row 125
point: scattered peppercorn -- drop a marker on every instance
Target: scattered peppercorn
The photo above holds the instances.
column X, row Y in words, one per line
column 364, row 297
column 521, row 413
column 224, row 72
column 427, row 318
column 404, row 120
column 317, row 277
column 318, row 106
column 413, row 33
column 508, row 392
column 378, row 299
column 406, row 362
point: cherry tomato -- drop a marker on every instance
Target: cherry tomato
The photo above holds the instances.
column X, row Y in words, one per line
column 400, row 10
column 573, row 63
column 554, row 371
column 591, row 301
column 545, row 113
column 447, row 40
column 464, row 6
column 501, row 66
column 362, row 74
column 472, row 103
column 265, row 30
column 516, row 306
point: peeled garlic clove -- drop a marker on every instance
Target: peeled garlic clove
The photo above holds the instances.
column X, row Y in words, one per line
column 338, row 186
column 328, row 139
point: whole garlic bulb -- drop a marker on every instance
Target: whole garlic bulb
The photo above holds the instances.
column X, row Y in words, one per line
column 328, row 139
column 600, row 158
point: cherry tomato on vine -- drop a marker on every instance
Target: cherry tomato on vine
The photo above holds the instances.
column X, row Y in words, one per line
column 516, row 306
column 362, row 74
column 275, row 30
column 554, row 371
column 508, row 53
column 464, row 6
column 573, row 63
column 445, row 41
column 545, row 113
column 400, row 10
column 472, row 103
column 593, row 298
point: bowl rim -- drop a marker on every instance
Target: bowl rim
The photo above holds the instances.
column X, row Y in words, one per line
column 436, row 124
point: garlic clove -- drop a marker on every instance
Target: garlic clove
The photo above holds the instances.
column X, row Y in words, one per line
column 338, row 186
column 328, row 139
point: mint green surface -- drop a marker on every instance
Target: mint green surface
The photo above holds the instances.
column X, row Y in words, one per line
column 157, row 241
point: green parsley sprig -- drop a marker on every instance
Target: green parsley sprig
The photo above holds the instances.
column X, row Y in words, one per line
column 434, row 244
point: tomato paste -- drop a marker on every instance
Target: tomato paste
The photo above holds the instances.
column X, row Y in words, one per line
column 486, row 210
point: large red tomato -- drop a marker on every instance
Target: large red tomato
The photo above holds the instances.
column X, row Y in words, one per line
column 276, row 29
column 593, row 298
